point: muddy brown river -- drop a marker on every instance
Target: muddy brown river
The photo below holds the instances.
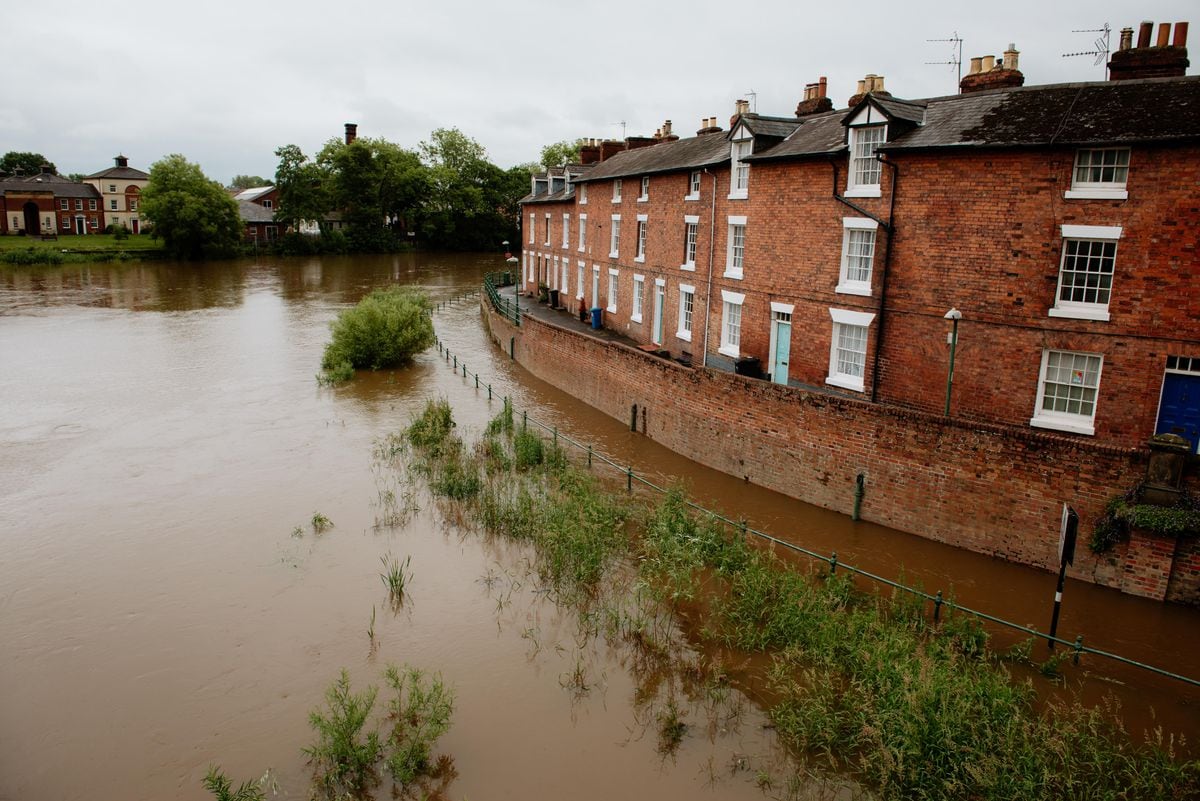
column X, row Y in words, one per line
column 162, row 437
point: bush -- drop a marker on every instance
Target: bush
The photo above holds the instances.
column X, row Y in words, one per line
column 419, row 714
column 386, row 329
column 344, row 756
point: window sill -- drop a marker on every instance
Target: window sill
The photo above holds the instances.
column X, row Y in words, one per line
column 640, row 259
column 612, row 254
column 1107, row 193
column 686, row 336
column 581, row 250
column 864, row 191
column 691, row 197
column 1070, row 313
column 611, row 309
column 729, row 350
column 737, row 276
column 862, row 290
column 616, row 200
column 579, row 296
column 845, row 382
column 1060, row 424
column 644, row 199
column 635, row 318
column 738, row 196
column 688, row 267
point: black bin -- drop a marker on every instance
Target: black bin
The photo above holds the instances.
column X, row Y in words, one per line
column 554, row 298
column 749, row 366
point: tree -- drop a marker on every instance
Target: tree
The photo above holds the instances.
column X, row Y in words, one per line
column 193, row 214
column 377, row 185
column 28, row 163
column 241, row 182
column 560, row 153
column 302, row 187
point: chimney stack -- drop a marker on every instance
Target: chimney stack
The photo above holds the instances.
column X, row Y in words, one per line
column 708, row 125
column 589, row 152
column 610, row 148
column 871, row 83
column 740, row 107
column 815, row 100
column 986, row 73
column 351, row 132
column 1165, row 59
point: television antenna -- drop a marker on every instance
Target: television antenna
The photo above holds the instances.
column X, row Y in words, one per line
column 1101, row 46
column 753, row 95
column 622, row 124
column 955, row 61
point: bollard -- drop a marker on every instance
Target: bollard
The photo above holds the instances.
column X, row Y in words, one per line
column 1078, row 648
column 589, row 456
column 833, row 563
column 937, row 607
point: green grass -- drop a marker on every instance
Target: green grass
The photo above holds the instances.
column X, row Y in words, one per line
column 396, row 577
column 81, row 244
column 866, row 683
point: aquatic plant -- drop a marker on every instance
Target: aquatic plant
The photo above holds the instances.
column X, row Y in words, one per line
column 395, row 577
column 418, row 714
column 346, row 751
column 320, row 523
column 217, row 783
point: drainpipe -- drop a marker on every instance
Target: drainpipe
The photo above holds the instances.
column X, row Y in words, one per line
column 712, row 234
column 889, row 227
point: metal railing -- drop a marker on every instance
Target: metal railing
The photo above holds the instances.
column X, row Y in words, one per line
column 492, row 283
column 938, row 600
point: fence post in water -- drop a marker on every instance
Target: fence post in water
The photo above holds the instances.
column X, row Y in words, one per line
column 456, row 364
column 512, row 347
column 1078, row 648
column 589, row 456
column 633, row 419
column 833, row 563
column 629, row 478
column 524, row 419
column 477, row 381
column 556, row 436
column 937, row 607
column 489, row 390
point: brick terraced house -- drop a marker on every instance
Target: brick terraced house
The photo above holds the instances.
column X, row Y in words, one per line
column 826, row 251
column 49, row 204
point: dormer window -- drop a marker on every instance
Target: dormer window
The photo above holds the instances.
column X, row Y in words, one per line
column 1100, row 173
column 616, row 190
column 865, row 169
column 739, row 183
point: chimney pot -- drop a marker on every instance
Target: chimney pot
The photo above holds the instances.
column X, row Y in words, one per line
column 1011, row 56
column 877, row 84
column 976, row 63
column 1164, row 34
column 1181, row 29
column 824, row 81
column 862, row 87
column 1126, row 39
column 1144, row 31
column 988, row 64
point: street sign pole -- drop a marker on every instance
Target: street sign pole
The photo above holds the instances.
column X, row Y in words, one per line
column 1066, row 556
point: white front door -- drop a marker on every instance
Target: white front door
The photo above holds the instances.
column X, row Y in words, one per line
column 781, row 339
column 595, row 287
column 660, row 295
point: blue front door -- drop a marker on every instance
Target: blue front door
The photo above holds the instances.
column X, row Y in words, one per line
column 1179, row 412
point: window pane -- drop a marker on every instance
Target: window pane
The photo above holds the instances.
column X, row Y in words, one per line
column 851, row 350
column 1087, row 271
column 1071, row 383
column 860, row 252
column 866, row 168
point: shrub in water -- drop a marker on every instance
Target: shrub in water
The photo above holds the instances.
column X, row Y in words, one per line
column 345, row 754
column 386, row 329
column 419, row 714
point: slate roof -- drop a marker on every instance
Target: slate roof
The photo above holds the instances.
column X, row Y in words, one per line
column 122, row 174
column 683, row 154
column 777, row 127
column 1107, row 113
column 49, row 182
column 550, row 197
column 251, row 212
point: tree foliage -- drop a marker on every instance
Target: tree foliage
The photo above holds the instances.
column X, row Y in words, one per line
column 28, row 163
column 194, row 215
column 241, row 182
column 560, row 153
column 386, row 329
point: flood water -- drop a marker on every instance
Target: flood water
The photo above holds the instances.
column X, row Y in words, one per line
column 161, row 438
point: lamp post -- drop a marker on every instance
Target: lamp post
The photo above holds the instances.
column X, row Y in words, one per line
column 954, row 315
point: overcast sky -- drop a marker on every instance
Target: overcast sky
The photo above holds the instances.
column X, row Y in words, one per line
column 225, row 83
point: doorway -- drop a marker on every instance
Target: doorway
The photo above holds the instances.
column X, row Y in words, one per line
column 1179, row 408
column 781, row 345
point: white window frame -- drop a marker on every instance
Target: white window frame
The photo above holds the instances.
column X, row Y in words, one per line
column 112, row 204
column 639, row 297
column 1060, row 420
column 552, row 279
column 583, row 194
column 729, row 301
column 739, row 172
column 847, row 285
column 644, row 190
column 547, row 242
column 614, row 280
column 1081, row 310
column 614, row 237
column 643, row 223
column 691, row 239
column 733, row 269
column 686, row 291
column 1099, row 190
column 616, row 190
column 855, row 188
column 579, row 279
column 693, row 186
column 564, row 285
column 582, row 232
column 848, row 318
column 566, row 240
column 64, row 204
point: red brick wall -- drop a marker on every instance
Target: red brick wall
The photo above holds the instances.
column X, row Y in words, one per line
column 988, row 488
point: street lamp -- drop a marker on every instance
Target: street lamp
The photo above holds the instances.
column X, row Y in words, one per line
column 954, row 315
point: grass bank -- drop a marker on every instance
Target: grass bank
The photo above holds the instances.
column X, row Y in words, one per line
column 860, row 683
column 73, row 249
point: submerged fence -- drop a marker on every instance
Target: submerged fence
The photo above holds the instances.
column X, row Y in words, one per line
column 492, row 283
column 937, row 600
